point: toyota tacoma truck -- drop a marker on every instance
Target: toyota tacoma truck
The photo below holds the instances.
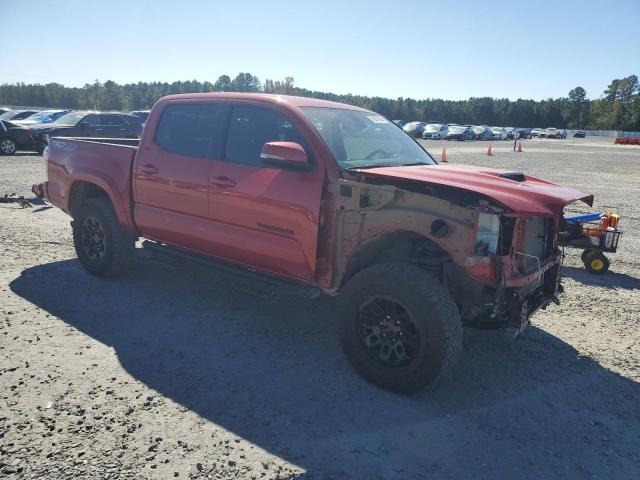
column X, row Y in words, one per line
column 326, row 197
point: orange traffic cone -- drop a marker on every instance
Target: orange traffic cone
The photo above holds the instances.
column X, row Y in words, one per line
column 443, row 158
column 520, row 147
column 489, row 150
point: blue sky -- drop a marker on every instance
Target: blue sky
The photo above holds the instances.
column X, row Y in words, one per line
column 421, row 49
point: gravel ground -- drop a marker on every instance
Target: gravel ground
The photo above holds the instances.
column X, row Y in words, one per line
column 180, row 374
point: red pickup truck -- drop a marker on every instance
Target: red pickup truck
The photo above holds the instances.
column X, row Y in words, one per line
column 328, row 196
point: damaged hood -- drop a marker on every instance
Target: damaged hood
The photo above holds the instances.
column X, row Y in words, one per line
column 520, row 193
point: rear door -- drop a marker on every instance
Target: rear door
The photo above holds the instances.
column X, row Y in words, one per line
column 171, row 174
column 263, row 216
column 111, row 126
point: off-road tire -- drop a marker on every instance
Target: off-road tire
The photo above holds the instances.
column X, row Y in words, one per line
column 119, row 247
column 433, row 311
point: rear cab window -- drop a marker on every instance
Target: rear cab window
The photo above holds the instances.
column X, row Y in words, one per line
column 190, row 129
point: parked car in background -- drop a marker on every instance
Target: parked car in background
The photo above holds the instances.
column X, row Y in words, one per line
column 435, row 131
column 88, row 124
column 5, row 110
column 523, row 133
column 400, row 123
column 562, row 133
column 414, row 129
column 552, row 132
column 141, row 114
column 579, row 134
column 458, row 132
column 44, row 116
column 536, row 133
column 15, row 137
column 510, row 133
column 499, row 133
column 14, row 115
column 482, row 133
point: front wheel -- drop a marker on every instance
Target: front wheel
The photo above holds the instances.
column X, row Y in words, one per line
column 401, row 329
column 103, row 247
column 8, row 146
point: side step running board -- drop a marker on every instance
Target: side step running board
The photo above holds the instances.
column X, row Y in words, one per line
column 250, row 281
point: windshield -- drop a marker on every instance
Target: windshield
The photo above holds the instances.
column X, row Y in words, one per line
column 457, row 129
column 8, row 115
column 70, row 119
column 365, row 139
column 496, row 129
column 40, row 117
column 433, row 127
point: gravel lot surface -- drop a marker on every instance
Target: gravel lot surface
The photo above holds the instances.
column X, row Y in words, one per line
column 180, row 374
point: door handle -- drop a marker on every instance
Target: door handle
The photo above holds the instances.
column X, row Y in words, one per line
column 223, row 182
column 149, row 169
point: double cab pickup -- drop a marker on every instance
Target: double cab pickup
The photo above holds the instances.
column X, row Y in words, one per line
column 329, row 197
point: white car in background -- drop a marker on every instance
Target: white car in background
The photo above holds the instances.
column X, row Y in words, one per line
column 537, row 133
column 435, row 131
column 499, row 133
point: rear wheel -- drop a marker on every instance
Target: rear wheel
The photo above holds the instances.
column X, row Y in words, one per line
column 8, row 146
column 596, row 263
column 401, row 328
column 586, row 253
column 102, row 246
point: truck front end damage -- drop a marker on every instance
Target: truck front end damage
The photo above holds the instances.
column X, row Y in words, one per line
column 517, row 261
column 501, row 264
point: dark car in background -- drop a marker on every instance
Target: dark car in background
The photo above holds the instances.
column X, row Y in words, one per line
column 141, row 114
column 482, row 133
column 16, row 137
column 579, row 134
column 458, row 132
column 415, row 129
column 523, row 133
column 43, row 116
column 89, row 124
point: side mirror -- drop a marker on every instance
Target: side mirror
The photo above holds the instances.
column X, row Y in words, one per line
column 285, row 155
column 84, row 125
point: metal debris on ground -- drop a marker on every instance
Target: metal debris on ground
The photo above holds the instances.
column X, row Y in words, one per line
column 13, row 198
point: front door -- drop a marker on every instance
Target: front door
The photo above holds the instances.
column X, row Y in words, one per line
column 171, row 174
column 263, row 216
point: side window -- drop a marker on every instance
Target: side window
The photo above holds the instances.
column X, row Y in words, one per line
column 251, row 127
column 111, row 121
column 92, row 120
column 191, row 129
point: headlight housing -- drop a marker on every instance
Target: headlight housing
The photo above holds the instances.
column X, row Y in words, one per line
column 488, row 232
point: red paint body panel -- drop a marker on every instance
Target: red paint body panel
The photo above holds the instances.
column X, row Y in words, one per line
column 105, row 165
column 533, row 197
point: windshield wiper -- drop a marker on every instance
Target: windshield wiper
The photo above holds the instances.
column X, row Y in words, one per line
column 414, row 164
column 365, row 167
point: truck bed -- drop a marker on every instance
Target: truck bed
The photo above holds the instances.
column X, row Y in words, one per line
column 104, row 162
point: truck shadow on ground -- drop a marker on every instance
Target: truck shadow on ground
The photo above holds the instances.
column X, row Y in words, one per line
column 271, row 372
column 606, row 280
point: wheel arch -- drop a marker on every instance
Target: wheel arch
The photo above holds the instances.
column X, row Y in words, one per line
column 395, row 246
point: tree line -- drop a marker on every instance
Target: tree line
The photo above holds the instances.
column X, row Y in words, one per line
column 618, row 108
